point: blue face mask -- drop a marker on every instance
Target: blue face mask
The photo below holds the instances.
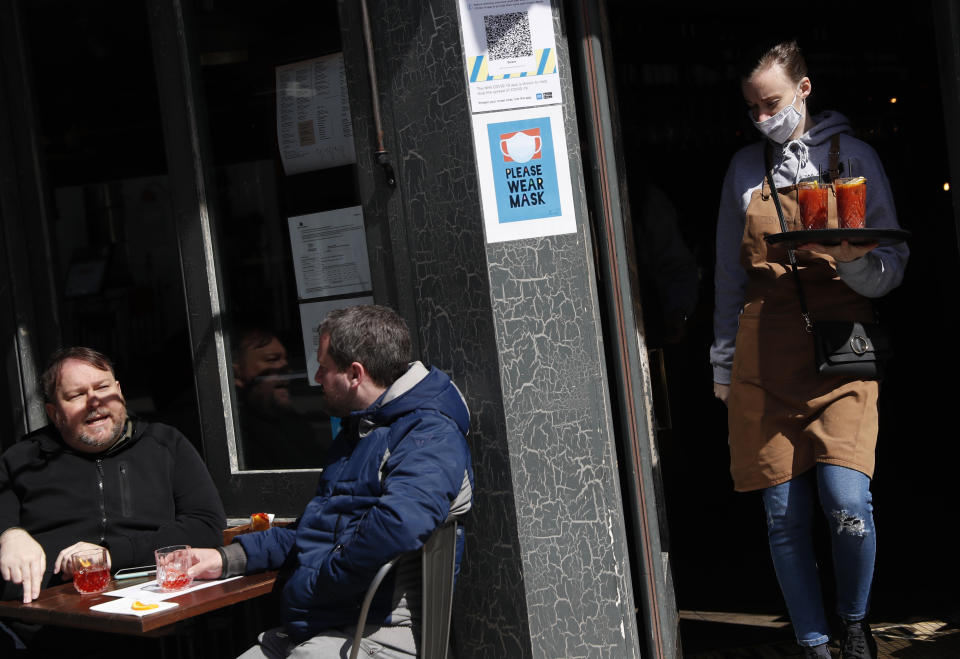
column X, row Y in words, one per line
column 780, row 126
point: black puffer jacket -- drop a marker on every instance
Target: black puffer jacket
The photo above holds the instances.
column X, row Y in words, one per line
column 148, row 491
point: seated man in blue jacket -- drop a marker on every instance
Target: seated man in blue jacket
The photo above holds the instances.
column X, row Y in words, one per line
column 397, row 470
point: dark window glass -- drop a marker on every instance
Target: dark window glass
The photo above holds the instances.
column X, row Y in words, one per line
column 113, row 235
column 241, row 44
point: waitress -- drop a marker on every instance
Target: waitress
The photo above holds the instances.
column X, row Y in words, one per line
column 795, row 435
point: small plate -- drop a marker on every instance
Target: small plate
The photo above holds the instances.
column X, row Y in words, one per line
column 834, row 236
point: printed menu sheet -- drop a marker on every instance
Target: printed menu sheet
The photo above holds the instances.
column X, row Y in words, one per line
column 314, row 129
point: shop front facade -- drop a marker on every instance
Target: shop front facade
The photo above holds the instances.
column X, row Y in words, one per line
column 189, row 186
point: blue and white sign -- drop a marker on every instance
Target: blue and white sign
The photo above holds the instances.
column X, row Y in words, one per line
column 524, row 174
column 524, row 169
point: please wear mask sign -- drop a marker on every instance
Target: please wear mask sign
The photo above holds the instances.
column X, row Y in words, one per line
column 524, row 169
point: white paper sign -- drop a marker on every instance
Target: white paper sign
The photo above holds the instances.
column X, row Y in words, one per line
column 314, row 129
column 511, row 53
column 524, row 174
column 151, row 592
column 330, row 253
column 311, row 315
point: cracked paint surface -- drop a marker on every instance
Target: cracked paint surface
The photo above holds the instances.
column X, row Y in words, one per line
column 515, row 324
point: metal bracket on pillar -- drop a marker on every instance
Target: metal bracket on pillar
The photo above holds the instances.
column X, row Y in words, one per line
column 383, row 159
column 383, row 156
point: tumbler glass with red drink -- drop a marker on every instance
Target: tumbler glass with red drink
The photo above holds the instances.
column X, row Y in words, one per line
column 812, row 198
column 172, row 565
column 852, row 202
column 91, row 571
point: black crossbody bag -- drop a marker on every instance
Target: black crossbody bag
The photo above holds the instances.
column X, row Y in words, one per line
column 847, row 348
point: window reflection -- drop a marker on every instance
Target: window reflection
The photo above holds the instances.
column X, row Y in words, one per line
column 275, row 433
column 280, row 424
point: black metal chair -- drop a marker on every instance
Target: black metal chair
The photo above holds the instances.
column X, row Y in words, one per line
column 438, row 560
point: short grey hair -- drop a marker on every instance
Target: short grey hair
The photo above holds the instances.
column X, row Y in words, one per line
column 372, row 335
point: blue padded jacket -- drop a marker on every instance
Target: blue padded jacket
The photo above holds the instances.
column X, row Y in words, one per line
column 389, row 480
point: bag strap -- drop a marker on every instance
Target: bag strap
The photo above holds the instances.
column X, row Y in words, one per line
column 808, row 324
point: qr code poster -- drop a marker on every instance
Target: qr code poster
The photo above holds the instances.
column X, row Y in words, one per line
column 510, row 53
column 524, row 174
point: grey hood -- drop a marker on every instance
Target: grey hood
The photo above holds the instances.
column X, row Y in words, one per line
column 792, row 160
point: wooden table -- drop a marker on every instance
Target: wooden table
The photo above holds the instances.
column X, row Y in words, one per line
column 63, row 606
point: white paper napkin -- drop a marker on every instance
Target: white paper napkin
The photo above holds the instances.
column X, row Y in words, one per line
column 124, row 605
column 149, row 591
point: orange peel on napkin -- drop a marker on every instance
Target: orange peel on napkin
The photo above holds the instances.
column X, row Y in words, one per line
column 141, row 606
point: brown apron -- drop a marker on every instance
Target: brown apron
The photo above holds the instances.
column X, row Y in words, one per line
column 783, row 416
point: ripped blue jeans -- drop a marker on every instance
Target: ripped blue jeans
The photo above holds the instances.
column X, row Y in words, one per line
column 845, row 498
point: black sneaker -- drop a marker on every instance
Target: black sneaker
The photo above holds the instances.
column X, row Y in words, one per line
column 858, row 642
column 817, row 652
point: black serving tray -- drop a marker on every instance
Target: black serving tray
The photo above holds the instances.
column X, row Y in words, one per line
column 836, row 236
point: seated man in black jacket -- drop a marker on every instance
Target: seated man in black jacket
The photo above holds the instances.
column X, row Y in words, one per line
column 96, row 477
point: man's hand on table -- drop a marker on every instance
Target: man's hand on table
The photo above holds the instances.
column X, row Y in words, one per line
column 207, row 564
column 22, row 561
column 64, row 563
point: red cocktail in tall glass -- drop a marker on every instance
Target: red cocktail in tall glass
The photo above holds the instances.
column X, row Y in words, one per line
column 813, row 205
column 852, row 203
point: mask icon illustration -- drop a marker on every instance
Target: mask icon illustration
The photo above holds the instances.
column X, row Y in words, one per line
column 521, row 146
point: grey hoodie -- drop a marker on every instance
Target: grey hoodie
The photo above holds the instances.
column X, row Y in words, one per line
column 874, row 275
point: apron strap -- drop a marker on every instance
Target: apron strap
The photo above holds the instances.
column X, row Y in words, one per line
column 835, row 168
column 766, row 187
column 808, row 324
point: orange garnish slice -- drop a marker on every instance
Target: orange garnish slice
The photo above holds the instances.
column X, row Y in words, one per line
column 854, row 181
column 259, row 521
column 85, row 562
column 141, row 606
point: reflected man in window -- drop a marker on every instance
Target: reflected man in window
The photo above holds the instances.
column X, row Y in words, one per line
column 274, row 433
column 398, row 469
column 97, row 477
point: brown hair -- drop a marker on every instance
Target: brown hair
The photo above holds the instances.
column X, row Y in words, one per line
column 785, row 53
column 373, row 335
column 249, row 337
column 51, row 375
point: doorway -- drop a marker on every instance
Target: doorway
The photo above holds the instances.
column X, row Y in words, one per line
column 682, row 119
